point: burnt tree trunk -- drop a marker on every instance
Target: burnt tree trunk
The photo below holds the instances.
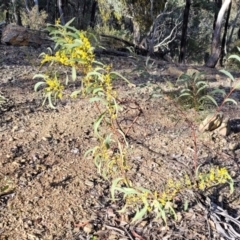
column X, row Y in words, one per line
column 60, row 9
column 184, row 32
column 233, row 27
column 216, row 48
column 218, row 4
column 93, row 14
column 16, row 13
column 223, row 49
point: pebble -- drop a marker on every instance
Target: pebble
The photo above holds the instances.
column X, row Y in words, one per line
column 234, row 146
column 88, row 228
column 89, row 183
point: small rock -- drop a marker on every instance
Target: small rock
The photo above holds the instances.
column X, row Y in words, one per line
column 233, row 146
column 211, row 122
column 75, row 150
column 15, row 128
column 224, row 129
column 88, row 228
column 89, row 183
column 112, row 237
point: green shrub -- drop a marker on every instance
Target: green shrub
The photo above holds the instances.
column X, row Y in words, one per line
column 194, row 93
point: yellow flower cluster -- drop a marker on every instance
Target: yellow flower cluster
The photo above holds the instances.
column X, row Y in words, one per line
column 135, row 200
column 171, row 189
column 109, row 92
column 107, row 161
column 215, row 176
column 110, row 95
column 57, row 22
column 54, row 86
column 80, row 55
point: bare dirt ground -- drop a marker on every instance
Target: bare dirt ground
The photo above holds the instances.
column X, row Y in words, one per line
column 49, row 190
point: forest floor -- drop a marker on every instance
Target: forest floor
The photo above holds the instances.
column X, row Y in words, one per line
column 49, row 190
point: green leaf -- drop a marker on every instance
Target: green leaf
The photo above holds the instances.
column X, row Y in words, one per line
column 49, row 96
column 235, row 57
column 42, row 54
column 128, row 191
column 218, row 91
column 161, row 212
column 49, row 50
column 67, row 79
column 231, row 185
column 124, row 136
column 37, row 85
column 98, row 63
column 140, row 214
column 114, row 186
column 98, row 164
column 230, row 100
column 71, row 45
column 203, row 83
column 75, row 93
column 186, row 205
column 98, row 122
column 197, row 75
column 108, row 140
column 96, row 90
column 237, row 85
column 40, row 76
column 74, row 73
column 144, row 190
column 228, row 74
column 201, row 89
column 186, row 95
column 92, row 150
column 203, row 98
column 74, row 35
column 69, row 22
column 99, row 75
column 121, row 76
column 74, row 30
column 172, row 211
column 197, row 171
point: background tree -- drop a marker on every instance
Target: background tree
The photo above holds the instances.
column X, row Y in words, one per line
column 16, row 11
column 216, row 48
column 60, row 9
column 224, row 38
column 184, row 32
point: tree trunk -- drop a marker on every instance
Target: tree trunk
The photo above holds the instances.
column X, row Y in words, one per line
column 223, row 49
column 136, row 32
column 16, row 13
column 218, row 4
column 47, row 6
column 93, row 14
column 61, row 12
column 26, row 6
column 216, row 48
column 233, row 27
column 184, row 32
